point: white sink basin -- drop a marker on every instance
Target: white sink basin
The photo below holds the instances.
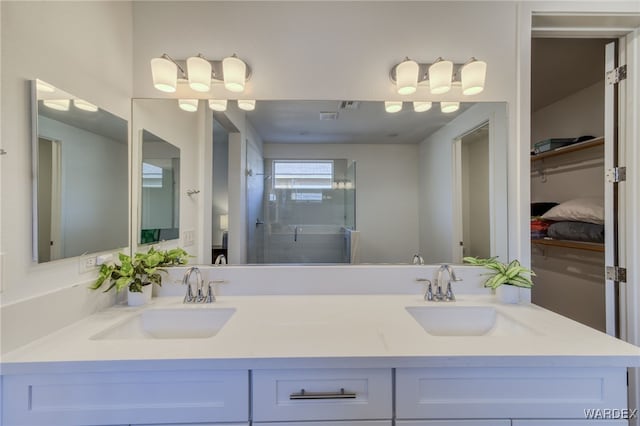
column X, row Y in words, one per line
column 466, row 321
column 175, row 323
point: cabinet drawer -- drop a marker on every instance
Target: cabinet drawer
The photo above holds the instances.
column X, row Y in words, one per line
column 317, row 394
column 134, row 397
column 484, row 393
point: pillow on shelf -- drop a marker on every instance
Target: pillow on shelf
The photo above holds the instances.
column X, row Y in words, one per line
column 589, row 210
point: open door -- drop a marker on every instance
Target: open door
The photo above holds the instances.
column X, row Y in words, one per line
column 615, row 273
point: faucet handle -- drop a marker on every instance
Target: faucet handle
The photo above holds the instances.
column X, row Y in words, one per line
column 428, row 295
column 211, row 294
column 449, row 296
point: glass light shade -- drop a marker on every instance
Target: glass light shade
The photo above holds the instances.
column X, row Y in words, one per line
column 247, row 105
column 199, row 72
column 84, row 105
column 224, row 222
column 165, row 75
column 234, row 71
column 57, row 104
column 218, row 104
column 392, row 106
column 421, row 106
column 440, row 74
column 448, row 107
column 44, row 87
column 473, row 76
column 407, row 77
column 189, row 105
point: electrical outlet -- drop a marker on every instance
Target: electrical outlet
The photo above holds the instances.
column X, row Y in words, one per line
column 188, row 238
column 87, row 263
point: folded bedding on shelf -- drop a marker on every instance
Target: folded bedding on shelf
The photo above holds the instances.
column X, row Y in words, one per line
column 577, row 231
column 539, row 227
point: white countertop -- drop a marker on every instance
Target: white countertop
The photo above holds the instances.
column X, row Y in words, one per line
column 323, row 331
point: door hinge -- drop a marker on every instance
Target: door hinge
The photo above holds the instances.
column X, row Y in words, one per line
column 616, row 174
column 617, row 75
column 616, row 273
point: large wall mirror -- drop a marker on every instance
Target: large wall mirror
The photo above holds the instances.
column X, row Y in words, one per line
column 80, row 169
column 159, row 190
column 428, row 183
column 410, row 182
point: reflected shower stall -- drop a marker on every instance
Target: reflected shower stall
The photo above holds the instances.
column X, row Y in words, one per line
column 308, row 212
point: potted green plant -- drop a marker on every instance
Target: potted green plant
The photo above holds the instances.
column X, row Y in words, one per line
column 504, row 278
column 138, row 273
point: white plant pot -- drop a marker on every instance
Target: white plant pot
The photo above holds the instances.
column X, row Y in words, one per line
column 135, row 298
column 508, row 294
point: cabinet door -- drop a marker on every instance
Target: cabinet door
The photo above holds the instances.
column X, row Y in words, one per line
column 194, row 424
column 115, row 398
column 569, row 423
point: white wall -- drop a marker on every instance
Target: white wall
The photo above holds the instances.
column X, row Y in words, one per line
column 94, row 218
column 339, row 50
column 386, row 194
column 436, row 182
column 84, row 49
column 576, row 115
column 581, row 174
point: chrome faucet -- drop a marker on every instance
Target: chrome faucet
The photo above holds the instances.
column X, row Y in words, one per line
column 417, row 259
column 221, row 259
column 448, row 296
column 200, row 296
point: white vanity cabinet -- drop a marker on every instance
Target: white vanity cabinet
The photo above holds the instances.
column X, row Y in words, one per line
column 507, row 393
column 361, row 397
column 202, row 397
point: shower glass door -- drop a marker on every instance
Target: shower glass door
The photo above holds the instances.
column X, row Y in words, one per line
column 309, row 211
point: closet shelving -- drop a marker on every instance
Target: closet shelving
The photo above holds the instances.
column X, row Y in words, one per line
column 581, row 146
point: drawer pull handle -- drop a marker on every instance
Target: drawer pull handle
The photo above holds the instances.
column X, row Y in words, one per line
column 323, row 395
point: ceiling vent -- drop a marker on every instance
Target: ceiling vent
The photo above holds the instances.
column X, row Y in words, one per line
column 328, row 115
column 349, row 104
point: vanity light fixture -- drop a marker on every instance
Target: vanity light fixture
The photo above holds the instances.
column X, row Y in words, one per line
column 473, row 74
column 218, row 104
column 57, row 104
column 407, row 76
column 199, row 73
column 189, row 105
column 421, row 106
column 84, row 105
column 448, row 107
column 392, row 106
column 164, row 72
column 234, row 71
column 246, row 104
column 231, row 71
column 440, row 76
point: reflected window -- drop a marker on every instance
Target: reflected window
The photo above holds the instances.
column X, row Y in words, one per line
column 151, row 176
column 302, row 174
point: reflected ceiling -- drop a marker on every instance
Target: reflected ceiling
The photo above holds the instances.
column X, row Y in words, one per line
column 356, row 122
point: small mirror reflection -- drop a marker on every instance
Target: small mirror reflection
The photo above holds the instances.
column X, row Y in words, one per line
column 160, row 186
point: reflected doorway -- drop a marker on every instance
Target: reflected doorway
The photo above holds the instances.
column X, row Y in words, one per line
column 471, row 154
column 220, row 192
